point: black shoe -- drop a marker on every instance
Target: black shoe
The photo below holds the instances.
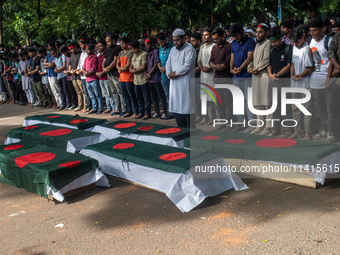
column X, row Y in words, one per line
column 238, row 129
column 219, row 127
column 230, row 129
column 169, row 116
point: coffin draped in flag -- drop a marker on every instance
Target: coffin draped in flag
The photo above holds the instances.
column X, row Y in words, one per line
column 298, row 155
column 64, row 120
column 147, row 132
column 71, row 140
column 47, row 171
column 167, row 169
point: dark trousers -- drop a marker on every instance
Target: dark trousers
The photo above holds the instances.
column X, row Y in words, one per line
column 21, row 92
column 65, row 94
column 185, row 120
column 14, row 89
column 129, row 96
column 73, row 94
column 157, row 91
column 143, row 98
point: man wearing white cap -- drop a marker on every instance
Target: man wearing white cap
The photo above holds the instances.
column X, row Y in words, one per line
column 250, row 33
column 180, row 68
column 272, row 25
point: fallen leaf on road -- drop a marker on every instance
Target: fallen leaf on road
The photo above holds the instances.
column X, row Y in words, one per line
column 288, row 188
column 264, row 241
column 279, row 215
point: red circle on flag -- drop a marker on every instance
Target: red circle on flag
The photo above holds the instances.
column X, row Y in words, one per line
column 52, row 117
column 57, row 132
column 13, row 147
column 30, row 127
column 168, row 131
column 122, row 146
column 70, row 164
column 276, row 142
column 145, row 128
column 39, row 157
column 77, row 121
column 125, row 125
column 210, row 137
column 173, row 156
column 235, row 141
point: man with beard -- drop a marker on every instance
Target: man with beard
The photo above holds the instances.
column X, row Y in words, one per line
column 196, row 39
column 110, row 64
column 207, row 73
column 286, row 27
column 260, row 77
column 76, row 81
column 220, row 63
column 180, row 68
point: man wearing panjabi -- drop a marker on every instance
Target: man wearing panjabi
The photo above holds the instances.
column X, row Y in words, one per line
column 180, row 68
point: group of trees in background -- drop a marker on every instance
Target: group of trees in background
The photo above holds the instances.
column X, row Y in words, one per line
column 25, row 21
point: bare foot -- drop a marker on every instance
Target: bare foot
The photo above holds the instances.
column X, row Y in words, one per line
column 295, row 135
column 307, row 137
column 134, row 116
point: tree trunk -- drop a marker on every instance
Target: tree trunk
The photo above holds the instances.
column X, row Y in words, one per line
column 1, row 38
column 73, row 35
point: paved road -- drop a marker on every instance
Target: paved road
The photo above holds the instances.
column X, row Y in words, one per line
column 127, row 219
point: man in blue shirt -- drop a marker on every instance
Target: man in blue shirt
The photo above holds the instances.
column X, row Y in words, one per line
column 242, row 49
column 52, row 77
column 164, row 50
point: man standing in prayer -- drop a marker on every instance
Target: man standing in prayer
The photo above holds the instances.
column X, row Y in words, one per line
column 260, row 78
column 180, row 68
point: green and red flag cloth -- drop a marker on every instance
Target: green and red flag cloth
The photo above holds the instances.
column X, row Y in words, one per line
column 68, row 139
column 261, row 148
column 64, row 120
column 165, row 158
column 149, row 132
column 170, row 170
column 38, row 168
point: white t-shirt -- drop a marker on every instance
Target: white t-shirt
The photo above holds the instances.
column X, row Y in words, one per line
column 321, row 63
column 302, row 58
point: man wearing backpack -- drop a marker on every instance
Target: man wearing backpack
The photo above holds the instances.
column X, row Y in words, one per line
column 319, row 82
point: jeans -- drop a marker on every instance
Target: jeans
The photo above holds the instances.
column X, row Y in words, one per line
column 88, row 98
column 157, row 91
column 106, row 89
column 129, row 96
column 244, row 85
column 143, row 98
column 95, row 94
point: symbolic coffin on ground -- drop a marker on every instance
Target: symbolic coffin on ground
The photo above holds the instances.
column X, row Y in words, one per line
column 179, row 173
column 292, row 158
column 64, row 120
column 47, row 171
column 71, row 140
column 147, row 132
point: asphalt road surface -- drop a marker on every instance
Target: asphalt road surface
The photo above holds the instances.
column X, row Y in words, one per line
column 128, row 219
